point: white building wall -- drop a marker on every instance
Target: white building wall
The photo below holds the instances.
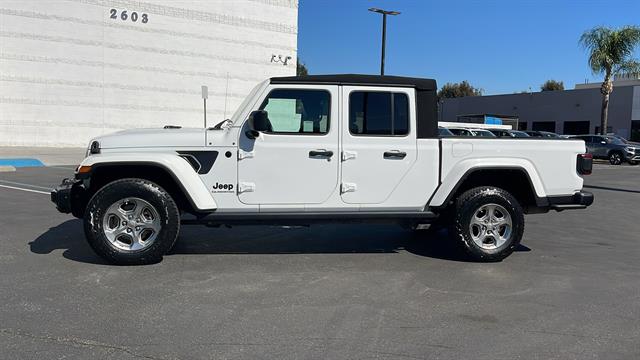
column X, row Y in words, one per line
column 69, row 72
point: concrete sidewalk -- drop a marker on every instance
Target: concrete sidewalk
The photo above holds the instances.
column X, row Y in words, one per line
column 47, row 155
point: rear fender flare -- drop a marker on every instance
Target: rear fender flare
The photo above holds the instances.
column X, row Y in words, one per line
column 458, row 174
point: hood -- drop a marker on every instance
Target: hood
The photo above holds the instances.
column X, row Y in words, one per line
column 138, row 138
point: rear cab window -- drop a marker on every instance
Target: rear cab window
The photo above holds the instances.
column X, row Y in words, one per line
column 378, row 113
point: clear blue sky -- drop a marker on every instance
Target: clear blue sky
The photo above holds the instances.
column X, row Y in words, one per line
column 500, row 46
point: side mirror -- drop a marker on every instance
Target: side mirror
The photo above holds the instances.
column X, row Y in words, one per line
column 258, row 122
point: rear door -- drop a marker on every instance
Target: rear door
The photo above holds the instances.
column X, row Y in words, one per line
column 378, row 142
column 588, row 142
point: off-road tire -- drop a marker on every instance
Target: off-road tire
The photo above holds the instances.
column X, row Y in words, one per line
column 466, row 207
column 147, row 191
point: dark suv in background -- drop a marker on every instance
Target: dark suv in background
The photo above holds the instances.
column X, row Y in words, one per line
column 509, row 133
column 542, row 134
column 612, row 148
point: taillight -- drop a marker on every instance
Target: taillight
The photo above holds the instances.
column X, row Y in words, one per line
column 584, row 164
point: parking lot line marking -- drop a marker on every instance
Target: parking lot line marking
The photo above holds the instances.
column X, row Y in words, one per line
column 29, row 190
column 23, row 184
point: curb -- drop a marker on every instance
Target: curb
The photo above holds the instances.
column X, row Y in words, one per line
column 7, row 168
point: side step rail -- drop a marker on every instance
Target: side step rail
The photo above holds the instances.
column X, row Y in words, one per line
column 307, row 218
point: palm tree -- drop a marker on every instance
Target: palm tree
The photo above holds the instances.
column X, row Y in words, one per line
column 611, row 53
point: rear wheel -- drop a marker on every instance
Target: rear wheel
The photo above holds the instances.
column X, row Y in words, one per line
column 615, row 158
column 131, row 221
column 488, row 223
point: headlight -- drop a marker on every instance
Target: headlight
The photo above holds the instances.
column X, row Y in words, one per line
column 630, row 149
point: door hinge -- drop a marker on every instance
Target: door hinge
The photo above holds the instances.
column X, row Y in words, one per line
column 244, row 154
column 348, row 187
column 244, row 187
column 348, row 155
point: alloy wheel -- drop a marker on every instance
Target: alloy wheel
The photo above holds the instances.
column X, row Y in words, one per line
column 491, row 226
column 615, row 159
column 131, row 224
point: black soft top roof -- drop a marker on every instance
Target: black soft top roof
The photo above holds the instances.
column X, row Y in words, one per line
column 356, row 79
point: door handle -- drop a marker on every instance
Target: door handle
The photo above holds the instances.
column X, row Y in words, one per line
column 320, row 153
column 394, row 154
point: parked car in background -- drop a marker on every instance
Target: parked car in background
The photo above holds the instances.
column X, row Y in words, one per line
column 444, row 131
column 542, row 134
column 611, row 148
column 471, row 132
column 509, row 133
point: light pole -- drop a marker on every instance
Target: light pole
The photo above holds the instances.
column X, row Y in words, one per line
column 384, row 31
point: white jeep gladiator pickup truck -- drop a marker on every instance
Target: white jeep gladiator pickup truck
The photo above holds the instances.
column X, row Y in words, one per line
column 320, row 149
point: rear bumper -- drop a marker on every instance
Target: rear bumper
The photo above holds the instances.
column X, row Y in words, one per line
column 579, row 200
column 70, row 197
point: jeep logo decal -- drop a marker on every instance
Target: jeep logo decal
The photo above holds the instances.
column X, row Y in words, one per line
column 217, row 187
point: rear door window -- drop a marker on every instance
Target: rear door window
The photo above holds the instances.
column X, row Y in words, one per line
column 378, row 113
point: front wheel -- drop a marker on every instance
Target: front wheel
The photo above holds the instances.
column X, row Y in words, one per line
column 615, row 158
column 488, row 222
column 131, row 222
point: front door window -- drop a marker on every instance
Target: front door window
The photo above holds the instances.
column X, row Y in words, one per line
column 297, row 111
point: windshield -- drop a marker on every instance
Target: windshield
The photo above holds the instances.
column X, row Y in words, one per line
column 519, row 134
column 615, row 141
column 621, row 139
column 250, row 97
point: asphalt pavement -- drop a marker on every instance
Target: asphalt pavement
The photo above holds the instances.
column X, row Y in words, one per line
column 571, row 291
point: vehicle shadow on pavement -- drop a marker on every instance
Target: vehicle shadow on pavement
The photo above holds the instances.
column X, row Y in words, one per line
column 438, row 244
column 324, row 239
column 268, row 240
column 69, row 237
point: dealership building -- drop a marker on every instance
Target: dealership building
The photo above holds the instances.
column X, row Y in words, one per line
column 574, row 111
column 75, row 69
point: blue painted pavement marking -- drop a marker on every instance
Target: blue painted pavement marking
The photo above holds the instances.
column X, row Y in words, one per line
column 23, row 162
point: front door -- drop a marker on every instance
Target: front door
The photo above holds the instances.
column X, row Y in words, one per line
column 378, row 142
column 297, row 161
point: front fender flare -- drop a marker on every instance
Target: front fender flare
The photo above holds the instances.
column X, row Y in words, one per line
column 181, row 171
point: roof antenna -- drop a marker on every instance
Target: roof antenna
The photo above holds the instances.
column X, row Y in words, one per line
column 205, row 95
column 226, row 91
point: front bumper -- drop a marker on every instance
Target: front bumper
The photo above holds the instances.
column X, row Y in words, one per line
column 70, row 197
column 579, row 200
